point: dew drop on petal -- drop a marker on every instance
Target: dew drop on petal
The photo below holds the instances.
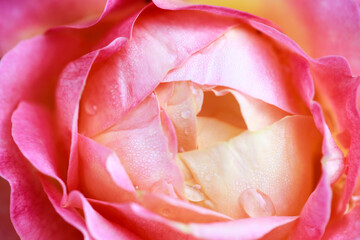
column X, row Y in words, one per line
column 90, row 108
column 185, row 114
column 136, row 187
column 208, row 177
column 256, row 203
column 186, row 131
column 170, row 155
column 194, row 194
column 166, row 212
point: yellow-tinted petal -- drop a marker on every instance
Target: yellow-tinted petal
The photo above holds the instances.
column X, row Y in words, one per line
column 277, row 160
column 212, row 131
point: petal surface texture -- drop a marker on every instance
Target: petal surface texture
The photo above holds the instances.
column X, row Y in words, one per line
column 277, row 160
column 307, row 22
column 142, row 146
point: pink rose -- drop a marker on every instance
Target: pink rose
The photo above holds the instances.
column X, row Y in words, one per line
column 170, row 120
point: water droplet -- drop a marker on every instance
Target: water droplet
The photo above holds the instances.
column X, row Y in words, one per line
column 208, row 177
column 185, row 114
column 136, row 187
column 166, row 212
column 90, row 108
column 194, row 194
column 256, row 203
column 187, row 131
column 198, row 96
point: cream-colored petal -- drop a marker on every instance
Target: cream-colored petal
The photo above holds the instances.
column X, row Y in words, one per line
column 212, row 131
column 257, row 113
column 223, row 106
column 277, row 160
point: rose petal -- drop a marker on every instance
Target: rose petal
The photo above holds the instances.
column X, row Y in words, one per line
column 145, row 223
column 221, row 105
column 142, row 147
column 31, row 18
column 182, row 106
column 316, row 213
column 347, row 227
column 100, row 227
column 42, row 16
column 7, row 230
column 126, row 81
column 256, row 113
column 180, row 211
column 32, row 131
column 73, row 78
column 28, row 199
column 69, row 214
column 260, row 160
column 336, row 21
column 31, row 211
column 212, row 131
column 226, row 62
column 337, row 92
column 251, row 228
column 306, row 22
column 101, row 174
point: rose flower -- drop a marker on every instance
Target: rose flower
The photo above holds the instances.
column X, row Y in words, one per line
column 170, row 120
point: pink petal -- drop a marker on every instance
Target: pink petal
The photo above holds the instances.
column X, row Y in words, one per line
column 72, row 82
column 347, row 227
column 336, row 21
column 100, row 227
column 31, row 211
column 149, row 225
column 338, row 92
column 118, row 89
column 101, row 174
column 316, row 212
column 68, row 93
column 251, row 228
column 61, row 206
column 246, row 61
column 181, row 107
column 179, row 210
column 145, row 223
column 30, row 208
column 142, row 147
column 33, row 133
column 23, row 19
column 34, row 18
column 306, row 22
column 257, row 114
column 7, row 230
